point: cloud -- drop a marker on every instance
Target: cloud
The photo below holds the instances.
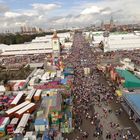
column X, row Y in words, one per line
column 106, row 11
column 36, row 16
column 94, row 13
column 48, row 7
column 91, row 10
column 28, row 13
column 12, row 14
column 81, row 13
column 3, row 8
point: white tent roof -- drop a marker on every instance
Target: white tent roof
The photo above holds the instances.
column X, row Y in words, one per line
column 2, row 46
column 2, row 88
column 29, row 46
column 122, row 42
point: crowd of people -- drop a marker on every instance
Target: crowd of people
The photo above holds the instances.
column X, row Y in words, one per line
column 92, row 98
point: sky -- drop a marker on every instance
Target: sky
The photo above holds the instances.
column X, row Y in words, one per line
column 66, row 13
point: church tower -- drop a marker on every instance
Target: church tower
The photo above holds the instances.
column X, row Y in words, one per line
column 56, row 48
column 106, row 41
column 55, row 43
column 111, row 22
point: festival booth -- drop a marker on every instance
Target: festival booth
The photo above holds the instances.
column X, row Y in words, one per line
column 113, row 74
column 130, row 80
column 5, row 101
column 68, row 71
column 2, row 89
column 51, row 105
column 4, row 121
column 64, row 81
column 66, row 124
column 19, row 86
column 49, row 85
column 101, row 68
column 132, row 105
column 55, row 111
column 119, row 93
column 29, row 136
column 41, row 125
column 87, row 71
column 46, row 136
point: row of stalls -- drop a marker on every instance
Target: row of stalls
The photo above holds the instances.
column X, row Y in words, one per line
column 55, row 113
column 44, row 98
column 120, row 76
column 20, row 109
column 127, row 89
column 4, row 121
column 49, row 102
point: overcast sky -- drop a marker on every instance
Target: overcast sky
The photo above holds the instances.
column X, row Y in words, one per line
column 62, row 13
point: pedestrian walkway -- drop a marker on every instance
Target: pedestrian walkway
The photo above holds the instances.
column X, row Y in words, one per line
column 96, row 115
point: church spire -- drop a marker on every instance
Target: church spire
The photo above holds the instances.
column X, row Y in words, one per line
column 55, row 34
column 111, row 21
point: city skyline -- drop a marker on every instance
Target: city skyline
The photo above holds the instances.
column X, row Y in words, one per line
column 61, row 13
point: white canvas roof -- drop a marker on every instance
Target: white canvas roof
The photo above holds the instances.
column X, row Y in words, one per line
column 38, row 92
column 47, row 38
column 14, row 121
column 17, row 98
column 26, row 52
column 22, row 123
column 2, row 88
column 29, row 46
column 17, row 107
column 123, row 42
column 3, row 46
column 30, row 95
column 4, row 123
column 25, row 108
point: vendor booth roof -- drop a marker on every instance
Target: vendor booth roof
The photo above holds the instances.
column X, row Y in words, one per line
column 45, row 136
column 41, row 122
column 133, row 101
column 68, row 71
column 131, row 81
column 64, row 81
column 51, row 103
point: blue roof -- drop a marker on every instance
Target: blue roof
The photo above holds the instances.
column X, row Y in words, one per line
column 68, row 71
column 133, row 100
column 41, row 122
column 64, row 81
column 68, row 68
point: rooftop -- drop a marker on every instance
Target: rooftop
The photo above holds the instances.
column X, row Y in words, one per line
column 131, row 81
column 133, row 99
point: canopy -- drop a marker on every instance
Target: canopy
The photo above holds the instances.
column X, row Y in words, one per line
column 64, row 81
column 68, row 71
column 45, row 136
column 2, row 88
column 131, row 81
column 41, row 122
column 133, row 100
